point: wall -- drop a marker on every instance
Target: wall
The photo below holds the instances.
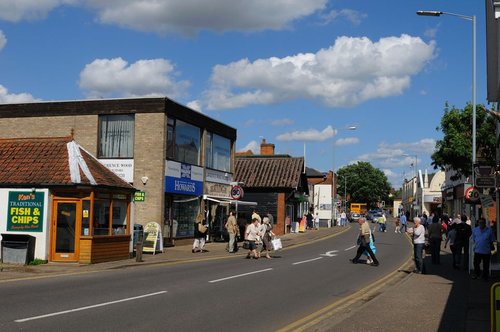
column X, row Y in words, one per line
column 42, row 238
column 149, row 160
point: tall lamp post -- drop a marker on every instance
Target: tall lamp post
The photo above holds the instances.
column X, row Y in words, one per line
column 473, row 20
column 415, row 184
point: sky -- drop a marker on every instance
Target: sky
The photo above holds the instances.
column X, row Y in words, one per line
column 299, row 74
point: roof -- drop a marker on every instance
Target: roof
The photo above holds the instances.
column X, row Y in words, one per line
column 269, row 171
column 53, row 161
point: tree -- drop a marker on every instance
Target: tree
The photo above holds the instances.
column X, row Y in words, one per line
column 365, row 184
column 454, row 151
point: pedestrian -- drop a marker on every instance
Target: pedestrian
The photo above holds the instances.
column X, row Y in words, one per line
column 233, row 230
column 252, row 236
column 424, row 220
column 255, row 215
column 483, row 243
column 364, row 243
column 463, row 233
column 316, row 221
column 397, row 222
column 450, row 238
column 402, row 220
column 372, row 247
column 381, row 221
column 266, row 236
column 309, row 220
column 200, row 230
column 343, row 218
column 435, row 234
column 418, row 235
column 271, row 218
column 288, row 223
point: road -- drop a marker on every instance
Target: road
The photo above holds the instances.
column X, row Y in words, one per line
column 216, row 295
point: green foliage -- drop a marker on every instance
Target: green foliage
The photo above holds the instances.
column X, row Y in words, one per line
column 38, row 261
column 365, row 184
column 455, row 149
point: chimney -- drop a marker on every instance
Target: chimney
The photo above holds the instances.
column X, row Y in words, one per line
column 266, row 149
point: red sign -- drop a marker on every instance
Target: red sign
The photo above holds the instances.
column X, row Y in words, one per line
column 236, row 192
column 472, row 194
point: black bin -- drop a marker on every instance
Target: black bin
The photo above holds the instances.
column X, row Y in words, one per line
column 18, row 248
column 138, row 234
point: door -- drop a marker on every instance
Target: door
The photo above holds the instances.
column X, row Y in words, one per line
column 65, row 225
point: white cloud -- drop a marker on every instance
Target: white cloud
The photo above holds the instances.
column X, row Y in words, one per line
column 17, row 10
column 308, row 135
column 282, row 122
column 116, row 78
column 347, row 141
column 195, row 105
column 3, row 40
column 191, row 16
column 253, row 146
column 353, row 16
column 11, row 98
column 348, row 73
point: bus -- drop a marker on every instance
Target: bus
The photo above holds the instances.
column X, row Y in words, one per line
column 358, row 208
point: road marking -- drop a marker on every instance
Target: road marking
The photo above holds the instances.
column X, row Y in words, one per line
column 240, row 275
column 350, row 248
column 87, row 307
column 307, row 261
column 331, row 253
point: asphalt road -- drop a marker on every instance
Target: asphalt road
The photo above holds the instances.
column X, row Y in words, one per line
column 217, row 295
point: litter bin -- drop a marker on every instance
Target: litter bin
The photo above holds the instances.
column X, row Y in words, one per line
column 18, row 248
column 138, row 233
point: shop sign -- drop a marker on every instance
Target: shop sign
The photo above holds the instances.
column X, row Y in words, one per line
column 139, row 196
column 218, row 176
column 25, row 211
column 183, row 179
column 124, row 168
column 217, row 189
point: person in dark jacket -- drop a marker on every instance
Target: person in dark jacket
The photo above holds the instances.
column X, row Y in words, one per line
column 435, row 231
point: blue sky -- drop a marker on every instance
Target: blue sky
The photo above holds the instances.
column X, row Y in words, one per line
column 297, row 73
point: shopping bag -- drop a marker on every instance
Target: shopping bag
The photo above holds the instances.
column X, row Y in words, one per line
column 276, row 243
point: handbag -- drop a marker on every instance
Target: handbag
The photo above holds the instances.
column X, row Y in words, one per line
column 246, row 244
column 276, row 242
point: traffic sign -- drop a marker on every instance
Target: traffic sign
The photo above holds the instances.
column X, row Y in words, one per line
column 485, row 181
column 236, row 192
column 472, row 194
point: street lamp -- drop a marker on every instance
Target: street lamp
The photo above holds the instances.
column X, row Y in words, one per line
column 473, row 20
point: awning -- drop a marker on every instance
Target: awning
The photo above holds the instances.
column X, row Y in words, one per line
column 227, row 200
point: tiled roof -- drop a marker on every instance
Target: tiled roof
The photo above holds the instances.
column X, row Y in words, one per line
column 269, row 172
column 46, row 162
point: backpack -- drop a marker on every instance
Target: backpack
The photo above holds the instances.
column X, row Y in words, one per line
column 202, row 228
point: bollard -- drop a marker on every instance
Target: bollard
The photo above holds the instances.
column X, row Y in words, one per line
column 138, row 251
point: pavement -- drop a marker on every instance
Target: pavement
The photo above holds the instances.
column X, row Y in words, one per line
column 442, row 299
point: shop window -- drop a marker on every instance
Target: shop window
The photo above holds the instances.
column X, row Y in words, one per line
column 218, row 152
column 184, row 211
column 110, row 215
column 116, row 136
column 85, row 218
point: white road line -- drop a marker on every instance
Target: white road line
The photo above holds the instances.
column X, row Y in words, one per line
column 350, row 248
column 240, row 275
column 87, row 307
column 309, row 260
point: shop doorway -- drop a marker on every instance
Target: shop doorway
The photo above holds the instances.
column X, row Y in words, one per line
column 66, row 222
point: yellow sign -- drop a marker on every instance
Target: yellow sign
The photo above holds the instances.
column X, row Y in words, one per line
column 495, row 307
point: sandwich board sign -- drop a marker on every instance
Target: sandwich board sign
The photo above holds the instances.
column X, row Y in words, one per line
column 153, row 239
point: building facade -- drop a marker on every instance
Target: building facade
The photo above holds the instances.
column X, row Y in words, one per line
column 174, row 156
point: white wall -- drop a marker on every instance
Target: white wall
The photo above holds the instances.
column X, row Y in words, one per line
column 42, row 238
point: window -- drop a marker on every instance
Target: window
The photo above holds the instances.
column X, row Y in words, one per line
column 183, row 142
column 116, row 136
column 110, row 215
column 218, row 152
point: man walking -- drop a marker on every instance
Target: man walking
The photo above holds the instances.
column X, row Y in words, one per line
column 483, row 240
column 233, row 231
column 402, row 220
column 364, row 243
